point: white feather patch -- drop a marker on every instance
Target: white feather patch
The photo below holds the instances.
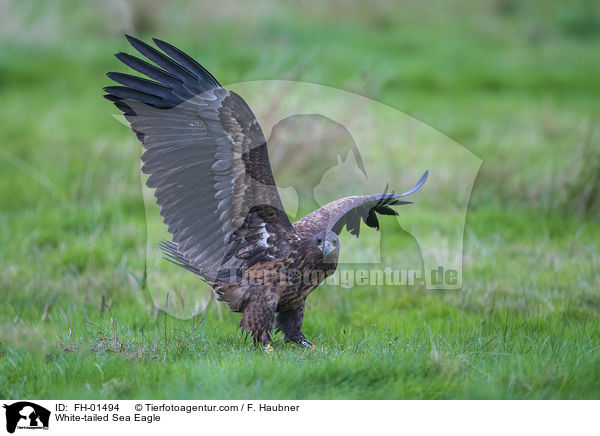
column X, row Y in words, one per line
column 264, row 236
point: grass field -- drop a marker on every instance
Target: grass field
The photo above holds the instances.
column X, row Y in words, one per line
column 515, row 84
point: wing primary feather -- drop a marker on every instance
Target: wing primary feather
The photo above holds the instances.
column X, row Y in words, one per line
column 148, row 69
column 187, row 62
column 146, row 86
column 159, row 58
column 125, row 93
column 417, row 185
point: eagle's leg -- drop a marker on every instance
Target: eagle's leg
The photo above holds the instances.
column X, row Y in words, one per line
column 290, row 323
column 258, row 316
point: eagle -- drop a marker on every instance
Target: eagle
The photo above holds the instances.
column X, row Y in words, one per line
column 208, row 164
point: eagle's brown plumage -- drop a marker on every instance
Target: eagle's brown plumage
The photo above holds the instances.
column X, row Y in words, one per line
column 209, row 165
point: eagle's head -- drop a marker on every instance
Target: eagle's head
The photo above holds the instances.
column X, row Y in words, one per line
column 329, row 244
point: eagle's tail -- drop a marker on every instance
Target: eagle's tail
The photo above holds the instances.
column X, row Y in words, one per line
column 173, row 255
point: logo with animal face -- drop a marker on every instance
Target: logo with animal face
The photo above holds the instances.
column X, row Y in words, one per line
column 222, row 204
column 26, row 415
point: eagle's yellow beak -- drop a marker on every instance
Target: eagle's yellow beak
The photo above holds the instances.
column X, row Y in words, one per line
column 326, row 248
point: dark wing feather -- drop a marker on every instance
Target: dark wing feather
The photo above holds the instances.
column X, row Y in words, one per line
column 349, row 212
column 207, row 159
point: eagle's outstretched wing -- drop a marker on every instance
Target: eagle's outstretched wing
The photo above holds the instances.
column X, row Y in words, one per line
column 349, row 211
column 207, row 159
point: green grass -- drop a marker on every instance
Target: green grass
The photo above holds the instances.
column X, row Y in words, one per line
column 527, row 330
column 515, row 85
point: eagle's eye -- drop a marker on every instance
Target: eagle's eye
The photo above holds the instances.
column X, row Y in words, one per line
column 319, row 240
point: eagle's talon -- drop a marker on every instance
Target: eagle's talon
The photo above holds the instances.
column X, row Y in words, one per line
column 269, row 349
column 308, row 344
column 302, row 342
